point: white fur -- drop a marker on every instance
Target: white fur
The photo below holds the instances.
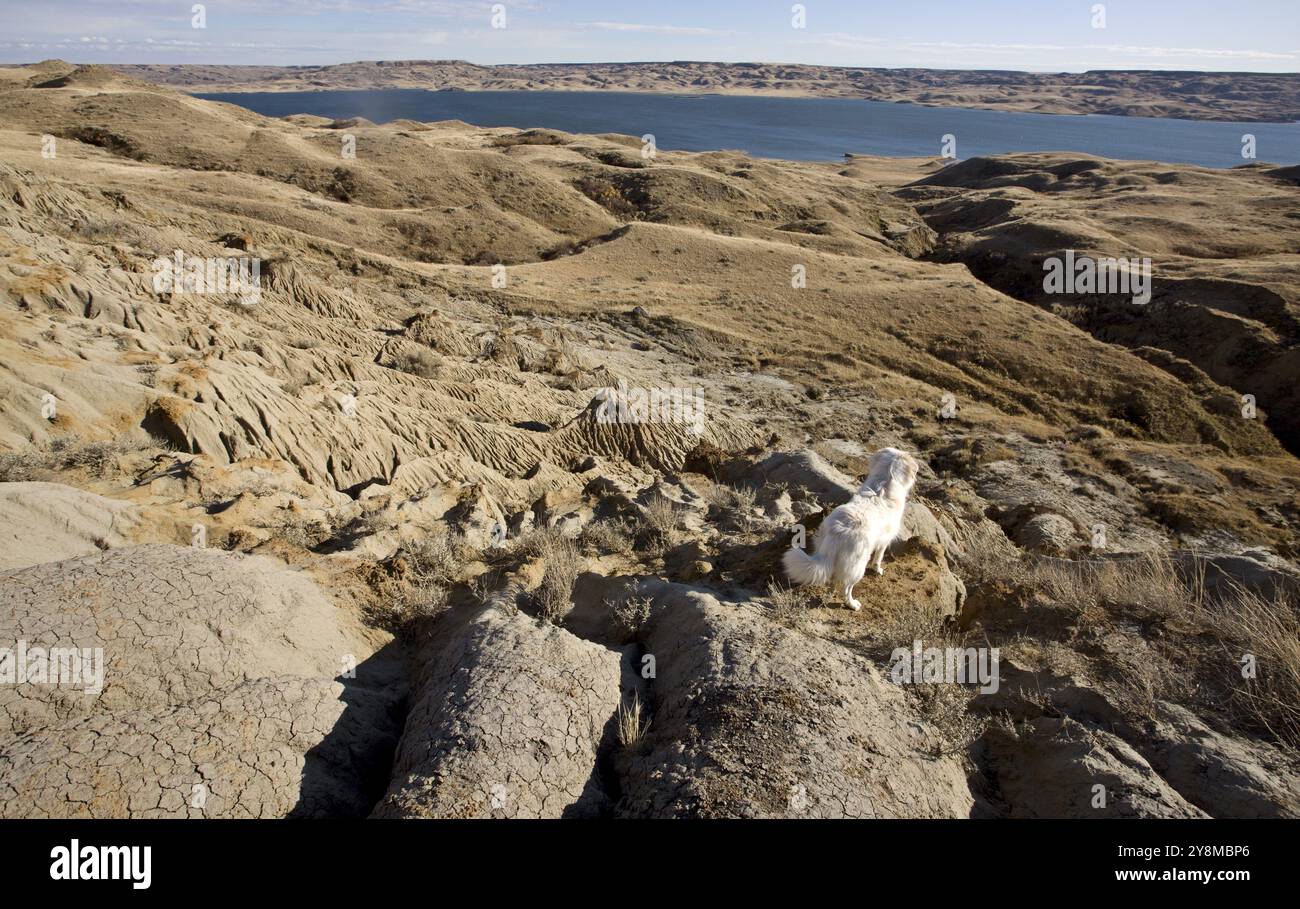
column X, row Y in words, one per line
column 860, row 530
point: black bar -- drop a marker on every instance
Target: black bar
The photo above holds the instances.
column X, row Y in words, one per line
column 441, row 858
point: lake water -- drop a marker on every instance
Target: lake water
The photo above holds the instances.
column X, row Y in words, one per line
column 805, row 129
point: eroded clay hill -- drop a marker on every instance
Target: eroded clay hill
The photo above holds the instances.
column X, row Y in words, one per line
column 366, row 542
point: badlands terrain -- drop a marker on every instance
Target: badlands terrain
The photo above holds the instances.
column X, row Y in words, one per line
column 1273, row 97
column 362, row 544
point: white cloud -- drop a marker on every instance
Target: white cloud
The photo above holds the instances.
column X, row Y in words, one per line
column 656, row 29
column 1190, row 52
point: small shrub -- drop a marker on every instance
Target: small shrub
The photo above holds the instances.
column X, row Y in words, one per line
column 413, row 606
column 301, row 536
column 98, row 230
column 725, row 497
column 69, row 453
column 562, row 249
column 563, row 562
column 96, row 457
column 418, row 361
column 944, row 708
column 629, row 614
column 501, row 348
column 660, row 516
column 294, row 384
column 530, row 137
column 435, row 560
column 22, row 466
column 605, row 194
column 486, row 257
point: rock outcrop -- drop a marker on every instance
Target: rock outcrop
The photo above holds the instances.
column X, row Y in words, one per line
column 507, row 720
column 749, row 719
column 50, row 522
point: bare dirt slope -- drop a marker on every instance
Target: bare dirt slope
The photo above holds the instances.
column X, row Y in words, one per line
column 408, row 418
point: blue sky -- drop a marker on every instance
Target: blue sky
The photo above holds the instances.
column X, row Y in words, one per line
column 1260, row 35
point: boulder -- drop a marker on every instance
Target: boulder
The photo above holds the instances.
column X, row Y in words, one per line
column 808, row 471
column 1256, row 571
column 1049, row 534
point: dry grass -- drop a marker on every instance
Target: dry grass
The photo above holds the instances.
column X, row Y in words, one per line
column 632, row 725
column 1197, row 638
column 69, row 453
column 1268, row 630
column 1148, row 585
column 607, row 536
column 789, row 605
column 725, row 497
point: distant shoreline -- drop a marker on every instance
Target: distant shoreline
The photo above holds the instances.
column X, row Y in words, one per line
column 213, row 95
column 1208, row 96
column 817, row 129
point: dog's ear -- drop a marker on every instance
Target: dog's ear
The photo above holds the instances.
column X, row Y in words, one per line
column 904, row 470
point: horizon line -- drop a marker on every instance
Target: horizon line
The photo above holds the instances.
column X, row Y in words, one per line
column 461, row 60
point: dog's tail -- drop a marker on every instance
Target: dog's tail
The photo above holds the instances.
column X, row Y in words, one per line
column 806, row 569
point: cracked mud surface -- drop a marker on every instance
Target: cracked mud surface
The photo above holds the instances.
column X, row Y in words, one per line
column 219, row 672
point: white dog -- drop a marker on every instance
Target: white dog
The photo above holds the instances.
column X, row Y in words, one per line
column 861, row 529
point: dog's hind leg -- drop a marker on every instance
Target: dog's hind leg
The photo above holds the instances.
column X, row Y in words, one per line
column 880, row 557
column 849, row 584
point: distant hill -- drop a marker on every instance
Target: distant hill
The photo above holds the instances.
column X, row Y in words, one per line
column 1264, row 97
